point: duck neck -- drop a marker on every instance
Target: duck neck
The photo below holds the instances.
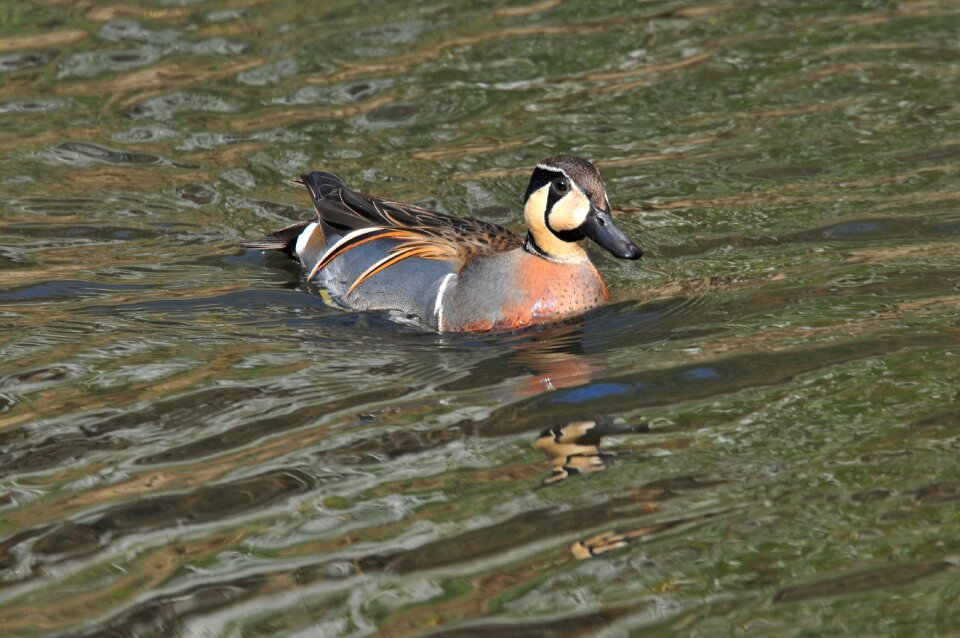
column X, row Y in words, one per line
column 531, row 247
column 573, row 253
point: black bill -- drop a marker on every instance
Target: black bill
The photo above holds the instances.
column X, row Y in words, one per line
column 600, row 228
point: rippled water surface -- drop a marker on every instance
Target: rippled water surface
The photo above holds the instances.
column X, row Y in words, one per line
column 759, row 436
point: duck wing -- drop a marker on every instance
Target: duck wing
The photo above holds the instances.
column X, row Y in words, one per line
column 359, row 218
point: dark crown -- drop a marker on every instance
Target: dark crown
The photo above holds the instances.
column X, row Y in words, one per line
column 585, row 174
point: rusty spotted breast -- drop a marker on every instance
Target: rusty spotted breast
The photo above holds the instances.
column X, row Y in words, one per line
column 454, row 274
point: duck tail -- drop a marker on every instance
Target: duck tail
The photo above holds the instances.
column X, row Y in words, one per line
column 284, row 240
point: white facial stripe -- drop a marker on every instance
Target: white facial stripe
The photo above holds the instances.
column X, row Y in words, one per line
column 554, row 169
column 564, row 173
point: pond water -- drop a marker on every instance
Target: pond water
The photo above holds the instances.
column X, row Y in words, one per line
column 193, row 443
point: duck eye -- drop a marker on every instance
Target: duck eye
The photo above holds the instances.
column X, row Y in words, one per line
column 561, row 185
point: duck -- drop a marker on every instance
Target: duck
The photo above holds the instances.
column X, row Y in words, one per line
column 453, row 274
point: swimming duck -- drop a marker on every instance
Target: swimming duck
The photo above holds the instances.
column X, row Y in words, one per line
column 453, row 274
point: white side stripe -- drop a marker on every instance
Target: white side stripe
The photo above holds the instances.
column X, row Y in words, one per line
column 304, row 238
column 438, row 305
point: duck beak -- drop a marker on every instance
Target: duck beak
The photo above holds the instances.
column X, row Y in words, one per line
column 600, row 228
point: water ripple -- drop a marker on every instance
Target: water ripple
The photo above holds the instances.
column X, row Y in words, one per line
column 192, row 441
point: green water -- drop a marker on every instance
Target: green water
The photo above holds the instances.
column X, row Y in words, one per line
column 192, row 443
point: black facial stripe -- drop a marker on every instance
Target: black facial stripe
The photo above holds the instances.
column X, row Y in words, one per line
column 540, row 178
column 573, row 235
column 532, row 247
column 569, row 235
column 553, row 197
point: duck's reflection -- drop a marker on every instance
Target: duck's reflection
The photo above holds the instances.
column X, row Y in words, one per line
column 555, row 371
column 555, row 358
column 574, row 448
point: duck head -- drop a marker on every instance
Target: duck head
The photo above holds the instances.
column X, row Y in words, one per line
column 565, row 204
